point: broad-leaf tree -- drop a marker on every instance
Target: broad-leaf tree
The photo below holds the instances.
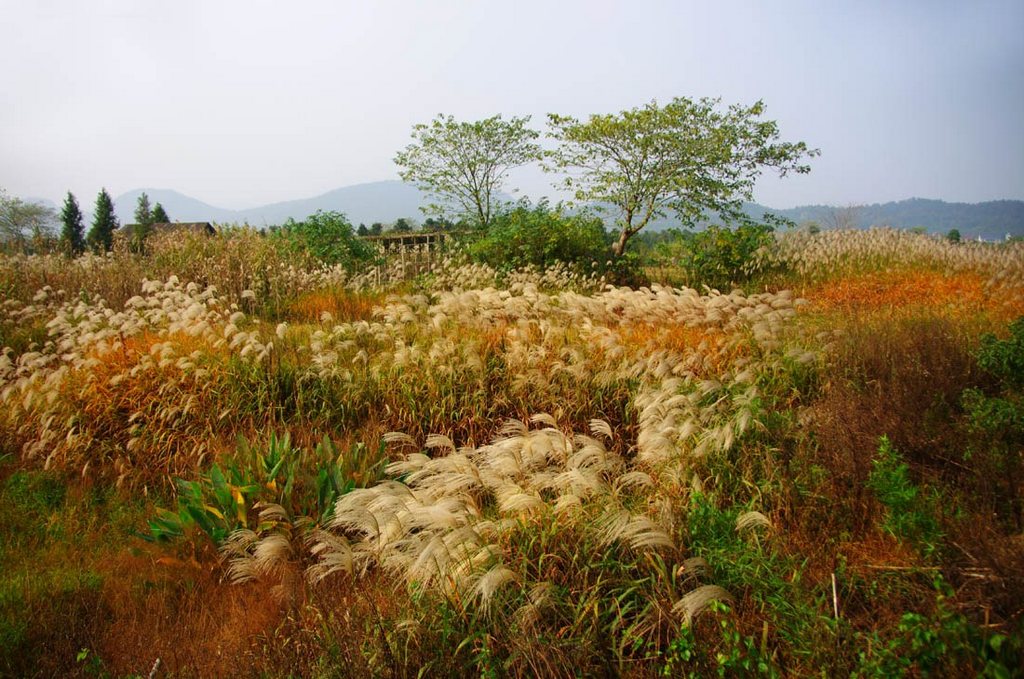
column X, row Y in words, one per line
column 463, row 165
column 104, row 223
column 328, row 237
column 21, row 221
column 688, row 157
column 72, row 235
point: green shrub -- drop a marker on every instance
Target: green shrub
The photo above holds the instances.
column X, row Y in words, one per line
column 910, row 514
column 944, row 643
column 539, row 236
column 719, row 257
column 997, row 417
column 326, row 236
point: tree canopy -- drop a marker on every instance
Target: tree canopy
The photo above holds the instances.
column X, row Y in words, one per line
column 72, row 234
column 463, row 165
column 688, row 157
column 143, row 220
column 160, row 214
column 21, row 220
column 104, row 223
column 143, row 213
column 328, row 237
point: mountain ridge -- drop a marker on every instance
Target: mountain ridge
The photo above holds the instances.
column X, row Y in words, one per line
column 386, row 201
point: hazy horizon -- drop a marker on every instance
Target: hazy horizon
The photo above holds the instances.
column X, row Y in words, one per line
column 243, row 104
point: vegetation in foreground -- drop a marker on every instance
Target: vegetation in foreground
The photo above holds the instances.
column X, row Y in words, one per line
column 228, row 454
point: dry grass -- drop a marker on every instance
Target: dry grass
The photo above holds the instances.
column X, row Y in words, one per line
column 339, row 304
column 556, row 434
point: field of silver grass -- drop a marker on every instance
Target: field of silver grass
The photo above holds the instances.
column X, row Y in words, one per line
column 547, row 433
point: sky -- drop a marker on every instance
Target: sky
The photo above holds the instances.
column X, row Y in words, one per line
column 241, row 104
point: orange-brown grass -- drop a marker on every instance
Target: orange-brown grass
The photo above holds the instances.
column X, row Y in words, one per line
column 900, row 288
column 902, row 291
column 180, row 611
column 341, row 304
column 900, row 375
column 173, row 445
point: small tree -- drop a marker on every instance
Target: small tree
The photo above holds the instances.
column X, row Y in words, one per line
column 21, row 221
column 376, row 229
column 953, row 236
column 143, row 220
column 143, row 213
column 72, row 235
column 464, row 164
column 843, row 218
column 160, row 215
column 686, row 157
column 402, row 225
column 327, row 237
column 104, row 223
column 362, row 230
column 437, row 224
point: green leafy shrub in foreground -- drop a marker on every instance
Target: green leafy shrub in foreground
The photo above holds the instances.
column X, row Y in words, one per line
column 942, row 644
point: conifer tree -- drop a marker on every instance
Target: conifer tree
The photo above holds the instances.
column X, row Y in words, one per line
column 104, row 222
column 72, row 236
column 143, row 220
column 160, row 215
column 143, row 214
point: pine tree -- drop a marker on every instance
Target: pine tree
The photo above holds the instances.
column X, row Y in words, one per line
column 101, row 235
column 160, row 215
column 143, row 215
column 72, row 236
column 143, row 219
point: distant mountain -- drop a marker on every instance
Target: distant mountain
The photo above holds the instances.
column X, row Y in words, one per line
column 386, row 201
column 992, row 220
column 383, row 201
column 179, row 207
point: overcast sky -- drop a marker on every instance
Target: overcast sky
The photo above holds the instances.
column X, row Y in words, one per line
column 245, row 103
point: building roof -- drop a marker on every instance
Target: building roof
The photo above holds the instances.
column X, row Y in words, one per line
column 169, row 227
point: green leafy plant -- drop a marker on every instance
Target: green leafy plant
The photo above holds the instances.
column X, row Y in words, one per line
column 945, row 643
column 997, row 417
column 910, row 513
column 305, row 483
column 720, row 257
column 328, row 237
column 538, row 235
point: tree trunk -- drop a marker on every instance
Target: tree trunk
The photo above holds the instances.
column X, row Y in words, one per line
column 620, row 246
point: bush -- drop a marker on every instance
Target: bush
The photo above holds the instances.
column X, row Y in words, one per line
column 525, row 235
column 910, row 514
column 328, row 237
column 720, row 257
column 997, row 417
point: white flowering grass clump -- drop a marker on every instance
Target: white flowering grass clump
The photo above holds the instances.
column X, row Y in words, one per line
column 111, row 385
column 832, row 252
column 460, row 521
